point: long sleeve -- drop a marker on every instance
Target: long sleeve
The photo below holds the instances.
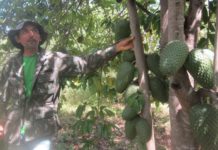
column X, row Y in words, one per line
column 3, row 91
column 72, row 65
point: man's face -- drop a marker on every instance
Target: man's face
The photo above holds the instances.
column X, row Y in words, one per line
column 29, row 37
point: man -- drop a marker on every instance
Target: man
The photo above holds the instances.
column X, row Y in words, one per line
column 30, row 86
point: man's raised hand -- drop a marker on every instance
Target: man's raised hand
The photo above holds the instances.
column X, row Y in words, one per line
column 125, row 44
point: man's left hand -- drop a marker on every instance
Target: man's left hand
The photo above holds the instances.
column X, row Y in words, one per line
column 125, row 44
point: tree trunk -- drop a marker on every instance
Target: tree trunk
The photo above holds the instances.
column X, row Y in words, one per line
column 164, row 23
column 216, row 53
column 192, row 26
column 192, row 23
column 140, row 64
column 179, row 97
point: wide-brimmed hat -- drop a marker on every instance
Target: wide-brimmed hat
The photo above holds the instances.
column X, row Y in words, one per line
column 14, row 32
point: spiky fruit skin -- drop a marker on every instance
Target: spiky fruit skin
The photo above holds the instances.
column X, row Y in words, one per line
column 173, row 57
column 128, row 56
column 204, row 124
column 159, row 89
column 200, row 65
column 209, row 53
column 134, row 105
column 121, row 29
column 130, row 128
column 153, row 61
column 135, row 101
column 124, row 77
column 131, row 90
column 129, row 113
column 143, row 130
column 198, row 115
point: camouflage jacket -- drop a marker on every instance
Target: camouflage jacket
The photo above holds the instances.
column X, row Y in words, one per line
column 39, row 116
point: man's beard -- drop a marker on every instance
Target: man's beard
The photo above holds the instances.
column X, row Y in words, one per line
column 31, row 44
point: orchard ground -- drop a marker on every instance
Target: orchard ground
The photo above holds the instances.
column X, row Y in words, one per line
column 67, row 140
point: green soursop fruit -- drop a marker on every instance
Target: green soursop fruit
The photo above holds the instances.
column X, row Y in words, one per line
column 131, row 90
column 153, row 61
column 159, row 89
column 209, row 53
column 130, row 128
column 172, row 57
column 129, row 113
column 135, row 101
column 198, row 115
column 210, row 141
column 134, row 105
column 200, row 65
column 143, row 130
column 204, row 124
column 128, row 56
column 121, row 29
column 125, row 76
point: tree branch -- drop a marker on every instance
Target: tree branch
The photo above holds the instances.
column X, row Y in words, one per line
column 140, row 64
column 192, row 22
column 183, row 89
column 216, row 53
column 204, row 93
column 142, row 8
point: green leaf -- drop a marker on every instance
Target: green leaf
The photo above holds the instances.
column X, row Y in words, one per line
column 78, row 125
column 99, row 130
column 80, row 109
column 101, row 114
column 202, row 43
column 88, row 126
column 106, row 132
column 212, row 27
column 94, row 108
column 102, row 108
column 109, row 112
column 212, row 7
column 205, row 16
column 212, row 38
column 91, row 114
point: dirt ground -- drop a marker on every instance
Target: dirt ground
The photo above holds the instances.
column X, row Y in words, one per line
column 69, row 141
column 161, row 126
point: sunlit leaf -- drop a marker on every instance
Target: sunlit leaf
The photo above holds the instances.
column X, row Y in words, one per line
column 109, row 112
